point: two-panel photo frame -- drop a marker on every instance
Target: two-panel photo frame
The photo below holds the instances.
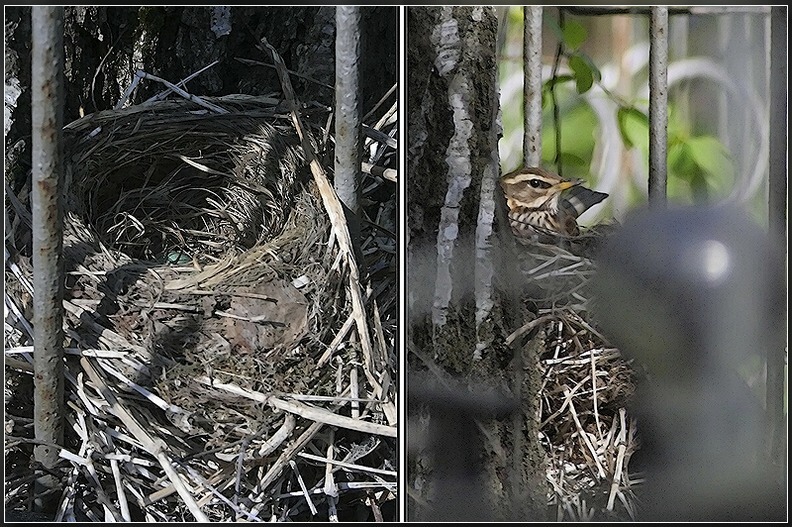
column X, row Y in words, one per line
column 395, row 263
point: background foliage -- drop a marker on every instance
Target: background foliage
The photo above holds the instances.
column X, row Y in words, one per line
column 595, row 68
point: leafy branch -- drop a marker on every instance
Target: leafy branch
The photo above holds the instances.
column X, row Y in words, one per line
column 701, row 162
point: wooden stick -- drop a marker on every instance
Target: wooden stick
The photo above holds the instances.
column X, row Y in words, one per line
column 320, row 415
column 337, row 218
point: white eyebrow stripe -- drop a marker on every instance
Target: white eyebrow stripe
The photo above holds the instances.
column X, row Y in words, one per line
column 520, row 178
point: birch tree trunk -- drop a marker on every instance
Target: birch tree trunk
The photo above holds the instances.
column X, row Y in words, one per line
column 472, row 430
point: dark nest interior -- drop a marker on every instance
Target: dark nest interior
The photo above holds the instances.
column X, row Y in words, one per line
column 585, row 429
column 221, row 364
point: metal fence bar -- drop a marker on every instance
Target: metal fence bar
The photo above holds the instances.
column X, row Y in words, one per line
column 777, row 205
column 532, row 85
column 347, row 128
column 658, row 104
column 47, row 125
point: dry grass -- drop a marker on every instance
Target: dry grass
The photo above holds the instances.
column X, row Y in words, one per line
column 213, row 367
column 585, row 429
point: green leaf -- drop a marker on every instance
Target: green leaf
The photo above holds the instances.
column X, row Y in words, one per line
column 586, row 73
column 551, row 83
column 634, row 127
column 710, row 155
column 676, row 153
column 558, row 79
column 680, row 161
column 704, row 164
column 574, row 35
column 584, row 77
column 595, row 72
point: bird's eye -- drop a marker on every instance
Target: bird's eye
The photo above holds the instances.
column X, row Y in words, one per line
column 538, row 183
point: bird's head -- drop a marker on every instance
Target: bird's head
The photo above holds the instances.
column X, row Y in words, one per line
column 535, row 188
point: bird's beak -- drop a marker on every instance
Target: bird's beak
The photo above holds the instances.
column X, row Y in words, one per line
column 567, row 184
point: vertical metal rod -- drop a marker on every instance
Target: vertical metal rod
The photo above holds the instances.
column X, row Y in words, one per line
column 777, row 205
column 658, row 104
column 47, row 124
column 347, row 129
column 532, row 87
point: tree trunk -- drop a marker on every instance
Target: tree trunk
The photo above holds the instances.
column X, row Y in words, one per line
column 473, row 432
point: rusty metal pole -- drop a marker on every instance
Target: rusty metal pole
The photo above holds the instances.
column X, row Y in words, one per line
column 658, row 105
column 532, row 87
column 47, row 124
column 347, row 129
column 777, row 208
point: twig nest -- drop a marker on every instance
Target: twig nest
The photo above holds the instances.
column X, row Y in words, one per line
column 213, row 247
column 202, row 282
column 587, row 386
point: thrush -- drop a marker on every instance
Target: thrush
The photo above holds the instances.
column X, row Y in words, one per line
column 538, row 204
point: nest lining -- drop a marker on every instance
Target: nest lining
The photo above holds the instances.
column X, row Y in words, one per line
column 171, row 187
column 197, row 253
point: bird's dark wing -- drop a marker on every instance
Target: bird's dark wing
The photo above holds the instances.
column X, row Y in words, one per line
column 578, row 200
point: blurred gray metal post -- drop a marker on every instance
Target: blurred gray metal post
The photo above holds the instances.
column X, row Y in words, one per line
column 47, row 125
column 658, row 104
column 777, row 207
column 347, row 128
column 532, row 85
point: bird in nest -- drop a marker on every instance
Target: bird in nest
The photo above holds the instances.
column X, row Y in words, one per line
column 544, row 207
